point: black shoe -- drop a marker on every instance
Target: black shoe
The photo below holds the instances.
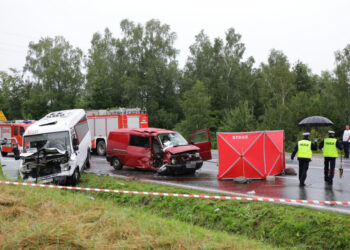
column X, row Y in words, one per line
column 302, row 185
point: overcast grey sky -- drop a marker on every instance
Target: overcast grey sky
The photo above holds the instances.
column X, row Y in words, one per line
column 306, row 30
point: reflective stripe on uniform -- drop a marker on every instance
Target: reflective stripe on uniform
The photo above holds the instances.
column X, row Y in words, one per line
column 304, row 149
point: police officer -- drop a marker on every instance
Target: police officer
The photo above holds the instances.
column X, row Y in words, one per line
column 330, row 154
column 304, row 148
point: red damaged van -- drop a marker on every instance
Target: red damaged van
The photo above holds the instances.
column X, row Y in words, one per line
column 164, row 151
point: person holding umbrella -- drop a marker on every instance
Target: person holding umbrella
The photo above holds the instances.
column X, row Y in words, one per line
column 304, row 149
column 330, row 148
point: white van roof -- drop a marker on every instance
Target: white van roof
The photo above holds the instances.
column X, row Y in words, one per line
column 56, row 121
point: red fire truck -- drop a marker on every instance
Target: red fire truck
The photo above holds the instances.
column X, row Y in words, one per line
column 101, row 122
column 11, row 135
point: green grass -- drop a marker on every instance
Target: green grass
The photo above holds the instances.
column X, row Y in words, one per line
column 274, row 224
column 35, row 218
column 280, row 225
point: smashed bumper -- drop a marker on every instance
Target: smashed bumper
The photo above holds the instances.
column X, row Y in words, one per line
column 183, row 168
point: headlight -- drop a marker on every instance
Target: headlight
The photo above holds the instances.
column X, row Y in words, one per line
column 197, row 155
column 65, row 166
column 173, row 161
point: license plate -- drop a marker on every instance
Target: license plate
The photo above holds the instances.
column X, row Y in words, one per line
column 191, row 164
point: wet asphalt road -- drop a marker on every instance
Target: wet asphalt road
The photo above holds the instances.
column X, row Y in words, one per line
column 206, row 180
column 284, row 186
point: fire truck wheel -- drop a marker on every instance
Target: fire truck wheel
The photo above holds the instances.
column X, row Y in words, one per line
column 4, row 154
column 101, row 148
column 117, row 165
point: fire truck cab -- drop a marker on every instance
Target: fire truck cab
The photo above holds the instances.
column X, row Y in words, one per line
column 101, row 122
column 11, row 136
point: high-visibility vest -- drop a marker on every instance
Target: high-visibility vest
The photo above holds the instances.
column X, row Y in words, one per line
column 304, row 149
column 330, row 147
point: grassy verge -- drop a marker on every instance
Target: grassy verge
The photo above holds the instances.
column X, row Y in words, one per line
column 273, row 224
column 43, row 218
column 280, row 225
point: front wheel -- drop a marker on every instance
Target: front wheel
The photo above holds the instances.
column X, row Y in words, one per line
column 87, row 163
column 4, row 154
column 74, row 179
column 101, row 148
column 116, row 164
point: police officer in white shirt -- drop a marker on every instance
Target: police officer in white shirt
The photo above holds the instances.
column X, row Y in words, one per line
column 346, row 138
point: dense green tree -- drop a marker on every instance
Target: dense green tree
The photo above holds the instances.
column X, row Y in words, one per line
column 220, row 67
column 218, row 88
column 139, row 69
column 154, row 68
column 196, row 108
column 56, row 66
column 239, row 119
column 105, row 70
column 341, row 88
column 303, row 77
column 12, row 94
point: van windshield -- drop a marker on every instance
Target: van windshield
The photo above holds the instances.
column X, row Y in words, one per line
column 172, row 140
column 59, row 140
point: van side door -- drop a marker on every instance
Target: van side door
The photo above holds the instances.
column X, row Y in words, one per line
column 201, row 139
column 139, row 152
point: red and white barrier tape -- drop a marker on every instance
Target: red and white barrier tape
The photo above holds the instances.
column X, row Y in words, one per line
column 217, row 197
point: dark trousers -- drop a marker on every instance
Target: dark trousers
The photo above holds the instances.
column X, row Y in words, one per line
column 303, row 167
column 346, row 148
column 329, row 165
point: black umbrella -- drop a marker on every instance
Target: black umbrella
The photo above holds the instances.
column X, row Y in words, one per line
column 316, row 121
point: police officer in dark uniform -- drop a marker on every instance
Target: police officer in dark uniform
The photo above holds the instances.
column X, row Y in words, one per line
column 304, row 149
column 330, row 148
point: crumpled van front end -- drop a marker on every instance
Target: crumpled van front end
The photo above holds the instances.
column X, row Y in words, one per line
column 181, row 160
column 56, row 148
column 47, row 158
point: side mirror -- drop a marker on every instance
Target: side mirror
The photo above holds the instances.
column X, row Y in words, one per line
column 75, row 144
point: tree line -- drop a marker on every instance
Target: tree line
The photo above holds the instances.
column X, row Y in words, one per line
column 217, row 87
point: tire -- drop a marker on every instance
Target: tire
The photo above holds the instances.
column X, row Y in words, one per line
column 74, row 179
column 192, row 172
column 87, row 163
column 116, row 164
column 3, row 154
column 101, row 148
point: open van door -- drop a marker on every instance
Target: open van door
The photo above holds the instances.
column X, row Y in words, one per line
column 201, row 139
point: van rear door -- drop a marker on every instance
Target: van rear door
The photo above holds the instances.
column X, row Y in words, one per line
column 201, row 139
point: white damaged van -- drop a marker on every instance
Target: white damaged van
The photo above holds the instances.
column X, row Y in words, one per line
column 56, row 148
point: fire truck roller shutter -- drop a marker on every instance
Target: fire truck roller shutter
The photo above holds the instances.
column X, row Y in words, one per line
column 91, row 122
column 100, row 127
column 133, row 121
column 112, row 123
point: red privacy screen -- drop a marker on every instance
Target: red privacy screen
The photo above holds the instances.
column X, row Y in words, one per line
column 250, row 154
